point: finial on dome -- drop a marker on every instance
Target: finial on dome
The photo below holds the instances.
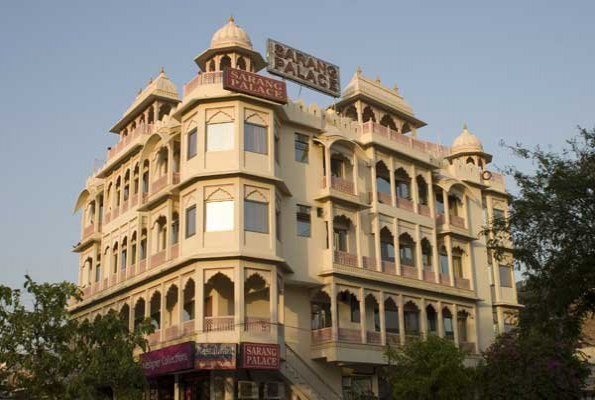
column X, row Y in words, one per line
column 358, row 71
column 162, row 72
column 378, row 79
column 465, row 127
column 231, row 18
column 139, row 91
column 396, row 88
column 150, row 80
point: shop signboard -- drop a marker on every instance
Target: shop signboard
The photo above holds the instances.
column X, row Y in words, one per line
column 215, row 356
column 260, row 356
column 241, row 81
column 293, row 64
column 168, row 359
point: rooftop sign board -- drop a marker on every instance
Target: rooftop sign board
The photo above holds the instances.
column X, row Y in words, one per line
column 303, row 68
column 238, row 80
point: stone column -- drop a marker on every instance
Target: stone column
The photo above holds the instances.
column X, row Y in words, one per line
column 334, row 313
column 446, row 207
column 401, row 319
column 423, row 319
column 363, row 316
column 377, row 244
column 440, row 320
column 455, row 323
column 382, row 318
column 448, row 244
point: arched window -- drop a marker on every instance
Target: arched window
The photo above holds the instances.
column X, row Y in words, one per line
column 462, row 317
column 212, row 66
column 426, row 254
column 422, row 190
column 351, row 113
column 444, row 261
column 155, row 310
column 115, row 258
column 432, row 317
column 151, row 115
column 224, row 63
column 449, row 332
column 118, row 191
column 391, row 315
column 372, row 313
column 189, row 292
column 411, row 314
column 349, row 300
column 126, row 185
column 455, row 205
column 403, row 184
column 139, row 312
column 146, row 173
column 135, row 180
column 171, row 306
column 164, row 110
column 175, row 228
column 388, row 121
column 161, row 233
column 320, row 311
column 470, row 160
column 241, row 63
column 124, row 315
column 457, row 262
column 124, row 254
column 143, row 245
column 341, row 228
column 133, row 249
column 387, row 245
column 407, row 250
column 383, row 182
column 162, row 161
column 368, row 115
column 98, row 269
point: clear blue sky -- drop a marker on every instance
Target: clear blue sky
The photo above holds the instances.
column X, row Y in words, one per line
column 513, row 70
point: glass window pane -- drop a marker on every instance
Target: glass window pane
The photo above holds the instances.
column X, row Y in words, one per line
column 191, row 144
column 220, row 136
column 190, row 221
column 255, row 138
column 303, row 221
column 505, row 276
column 301, row 147
column 219, row 216
column 256, row 216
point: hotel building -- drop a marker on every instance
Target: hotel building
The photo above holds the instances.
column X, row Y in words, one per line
column 308, row 237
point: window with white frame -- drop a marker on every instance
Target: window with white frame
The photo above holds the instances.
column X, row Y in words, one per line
column 220, row 137
column 255, row 138
column 219, row 216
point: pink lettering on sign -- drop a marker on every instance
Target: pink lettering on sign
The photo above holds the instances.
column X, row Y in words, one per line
column 260, row 356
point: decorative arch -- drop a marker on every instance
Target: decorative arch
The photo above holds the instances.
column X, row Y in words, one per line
column 368, row 115
column 257, row 195
column 220, row 116
column 388, row 122
column 219, row 194
column 256, row 118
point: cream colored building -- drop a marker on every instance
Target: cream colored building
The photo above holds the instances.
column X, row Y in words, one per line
column 331, row 232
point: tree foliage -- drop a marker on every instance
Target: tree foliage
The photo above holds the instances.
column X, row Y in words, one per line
column 429, row 370
column 551, row 224
column 530, row 366
column 46, row 354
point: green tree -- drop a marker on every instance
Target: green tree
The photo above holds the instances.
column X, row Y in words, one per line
column 432, row 369
column 551, row 224
column 44, row 353
column 530, row 366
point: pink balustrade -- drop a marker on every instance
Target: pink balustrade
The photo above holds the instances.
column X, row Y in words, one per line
column 256, row 324
column 87, row 291
column 445, row 279
column 105, row 283
column 145, row 197
column 158, row 184
column 134, row 200
column 107, row 217
column 175, row 250
column 393, row 339
column 344, row 258
column 189, row 327
column 429, row 276
column 440, row 219
column 204, row 78
column 157, row 259
column 115, row 213
column 373, row 337
column 369, row 263
column 424, row 210
column 141, row 130
column 176, row 178
column 462, row 283
column 114, row 280
column 341, row 184
column 389, row 267
column 171, row 332
column 412, row 337
column 405, row 204
column 154, row 337
column 121, row 275
column 219, row 324
column 457, row 221
column 350, row 335
column 142, row 266
column 322, row 335
column 131, row 271
column 409, row 271
column 124, row 206
column 385, row 198
column 88, row 231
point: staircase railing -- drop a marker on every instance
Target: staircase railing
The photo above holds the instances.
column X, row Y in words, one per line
column 310, row 377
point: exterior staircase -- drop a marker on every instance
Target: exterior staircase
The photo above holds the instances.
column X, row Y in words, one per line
column 304, row 380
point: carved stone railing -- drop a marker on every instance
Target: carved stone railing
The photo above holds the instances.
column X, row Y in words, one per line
column 369, row 263
column 257, row 324
column 350, row 335
column 175, row 250
column 389, row 267
column 404, row 204
column 445, row 279
column 340, row 184
column 457, row 221
column 440, row 219
column 467, row 346
column 203, row 78
column 131, row 271
column 154, row 337
column 373, row 337
column 157, row 259
column 142, row 266
column 219, row 324
column 322, row 335
column 429, row 275
column 158, row 184
column 189, row 327
column 462, row 283
column 143, row 129
column 344, row 258
column 393, row 339
column 385, row 198
column 176, row 178
column 409, row 271
column 171, row 332
column 88, row 231
column 424, row 210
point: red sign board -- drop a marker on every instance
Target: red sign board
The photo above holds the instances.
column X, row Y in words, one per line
column 260, row 356
column 168, row 359
column 241, row 81
column 215, row 356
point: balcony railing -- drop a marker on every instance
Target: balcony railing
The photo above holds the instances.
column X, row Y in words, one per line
column 445, row 279
column 189, row 327
column 175, row 250
column 420, row 145
column 134, row 200
column 467, row 346
column 142, row 266
column 257, row 324
column 369, row 263
column 412, row 337
column 350, row 335
column 389, row 267
column 462, row 283
column 154, row 337
column 393, row 339
column 124, row 206
column 157, row 259
column 440, row 219
column 176, row 178
column 322, row 335
column 409, row 271
column 373, row 337
column 405, row 204
column 340, row 184
column 158, row 184
column 130, row 271
column 385, row 198
column 345, row 258
column 107, row 217
column 171, row 332
column 88, row 231
column 457, row 221
column 429, row 275
column 143, row 129
column 204, row 78
column 424, row 210
column 219, row 324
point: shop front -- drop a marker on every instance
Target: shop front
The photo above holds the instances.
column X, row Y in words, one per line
column 214, row 371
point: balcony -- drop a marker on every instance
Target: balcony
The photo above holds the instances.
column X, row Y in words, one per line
column 445, row 279
column 389, row 267
column 350, row 335
column 219, row 324
column 383, row 197
column 429, row 275
column 141, row 130
column 171, row 332
column 157, row 259
column 373, row 337
column 188, row 327
column 322, row 335
column 405, row 204
column 344, row 258
column 462, row 283
column 409, row 271
column 424, row 210
column 258, row 325
column 158, row 184
column 340, row 184
column 457, row 221
column 205, row 78
column 369, row 263
column 88, row 231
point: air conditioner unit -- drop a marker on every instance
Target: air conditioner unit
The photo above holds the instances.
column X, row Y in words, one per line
column 247, row 390
column 274, row 390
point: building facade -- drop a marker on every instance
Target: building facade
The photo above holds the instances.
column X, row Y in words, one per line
column 288, row 244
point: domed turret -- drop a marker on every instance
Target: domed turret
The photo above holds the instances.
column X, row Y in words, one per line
column 230, row 47
column 469, row 147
